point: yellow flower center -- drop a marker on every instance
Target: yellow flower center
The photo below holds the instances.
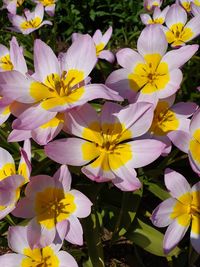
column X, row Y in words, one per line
column 107, row 145
column 178, row 34
column 150, row 76
column 164, row 120
column 20, row 2
column 31, row 24
column 187, row 209
column 52, row 206
column 99, row 48
column 5, row 63
column 7, row 170
column 58, row 90
column 40, row 257
column 187, row 6
column 47, row 2
column 194, row 146
column 196, row 2
column 156, row 21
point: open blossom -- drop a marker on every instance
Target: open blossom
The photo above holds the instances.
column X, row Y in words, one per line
column 11, row 180
column 150, row 73
column 188, row 141
column 178, row 30
column 12, row 5
column 105, row 143
column 157, row 18
column 30, row 21
column 179, row 211
column 151, row 4
column 170, row 117
column 57, row 85
column 53, row 209
column 49, row 6
column 27, row 256
column 10, row 59
column 100, row 41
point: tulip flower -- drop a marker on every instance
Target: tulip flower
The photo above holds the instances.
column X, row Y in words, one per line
column 151, row 4
column 100, row 41
column 169, row 118
column 11, row 180
column 12, row 5
column 158, row 16
column 57, row 85
column 105, row 143
column 52, row 206
column 30, row 22
column 188, row 141
column 49, row 6
column 27, row 256
column 12, row 59
column 179, row 212
column 178, row 30
column 151, row 73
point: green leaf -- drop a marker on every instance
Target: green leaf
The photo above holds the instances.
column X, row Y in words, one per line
column 150, row 239
column 92, row 233
column 157, row 190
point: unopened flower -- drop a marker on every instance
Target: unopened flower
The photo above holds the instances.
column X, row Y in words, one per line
column 179, row 212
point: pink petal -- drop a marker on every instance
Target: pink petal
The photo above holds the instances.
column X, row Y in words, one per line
column 175, row 232
column 176, row 14
column 11, row 260
column 107, row 55
column 128, row 58
column 126, row 179
column 83, row 204
column 17, row 57
column 145, row 152
column 194, row 26
column 66, row 260
column 19, row 135
column 62, row 176
column 45, row 61
column 81, row 55
column 36, row 115
column 180, row 139
column 17, row 238
column 75, row 231
column 182, row 55
column 176, row 183
column 152, row 40
column 15, row 85
column 59, row 151
column 161, row 215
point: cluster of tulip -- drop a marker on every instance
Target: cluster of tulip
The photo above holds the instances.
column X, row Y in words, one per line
column 109, row 144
